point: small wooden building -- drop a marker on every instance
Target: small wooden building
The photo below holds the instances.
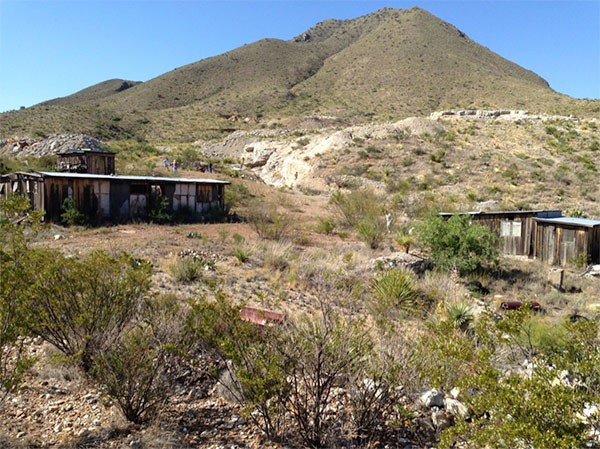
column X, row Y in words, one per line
column 516, row 228
column 113, row 198
column 86, row 160
column 562, row 240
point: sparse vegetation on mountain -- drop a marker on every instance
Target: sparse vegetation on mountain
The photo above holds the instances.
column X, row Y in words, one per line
column 330, row 74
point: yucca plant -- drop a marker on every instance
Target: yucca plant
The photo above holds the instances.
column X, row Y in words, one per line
column 460, row 315
column 394, row 290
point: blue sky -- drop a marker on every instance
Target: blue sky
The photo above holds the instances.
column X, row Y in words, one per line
column 51, row 48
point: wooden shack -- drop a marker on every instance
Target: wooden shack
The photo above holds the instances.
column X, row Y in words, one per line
column 114, row 198
column 86, row 160
column 516, row 228
column 563, row 240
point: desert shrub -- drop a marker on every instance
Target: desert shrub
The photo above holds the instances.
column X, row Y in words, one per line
column 71, row 216
column 372, row 231
column 81, row 305
column 394, row 291
column 186, row 269
column 284, row 376
column 404, row 239
column 326, row 225
column 254, row 378
column 238, row 239
column 133, row 372
column 317, row 353
column 236, row 194
column 458, row 244
column 19, row 225
column 357, row 206
column 437, row 156
column 546, row 412
column 277, row 255
column 268, row 223
column 158, row 209
column 242, row 253
column 397, row 185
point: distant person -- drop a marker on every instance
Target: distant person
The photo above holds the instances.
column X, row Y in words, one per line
column 166, row 164
column 175, row 165
column 210, row 167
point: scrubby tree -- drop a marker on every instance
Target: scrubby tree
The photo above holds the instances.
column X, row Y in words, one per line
column 82, row 304
column 459, row 244
column 19, row 225
column 134, row 372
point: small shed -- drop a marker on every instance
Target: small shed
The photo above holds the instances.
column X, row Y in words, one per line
column 562, row 240
column 86, row 160
column 111, row 197
column 516, row 228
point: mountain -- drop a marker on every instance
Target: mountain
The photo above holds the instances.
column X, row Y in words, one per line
column 386, row 65
column 94, row 93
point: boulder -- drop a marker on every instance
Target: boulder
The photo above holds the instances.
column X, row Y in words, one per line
column 456, row 408
column 432, row 398
column 257, row 154
column 440, row 420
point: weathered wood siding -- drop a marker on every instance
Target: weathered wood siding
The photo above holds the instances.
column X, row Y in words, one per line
column 515, row 230
column 112, row 198
column 25, row 184
column 561, row 244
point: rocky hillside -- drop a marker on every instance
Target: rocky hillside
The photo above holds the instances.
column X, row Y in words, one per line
column 477, row 159
column 423, row 64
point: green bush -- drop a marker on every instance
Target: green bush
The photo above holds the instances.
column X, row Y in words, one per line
column 81, row 305
column 284, row 376
column 19, row 225
column 158, row 209
column 71, row 216
column 458, row 244
column 187, row 269
column 268, row 222
column 326, row 225
column 372, row 231
column 546, row 414
column 134, row 372
column 242, row 254
column 357, row 206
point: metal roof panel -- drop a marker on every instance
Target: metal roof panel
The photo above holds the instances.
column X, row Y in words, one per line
column 131, row 178
column 571, row 221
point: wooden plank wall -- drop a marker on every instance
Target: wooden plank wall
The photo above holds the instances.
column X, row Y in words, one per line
column 560, row 244
column 513, row 245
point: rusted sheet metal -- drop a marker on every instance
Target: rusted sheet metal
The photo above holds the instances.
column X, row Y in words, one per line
column 261, row 317
column 516, row 305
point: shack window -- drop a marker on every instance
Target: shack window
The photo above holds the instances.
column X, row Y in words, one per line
column 505, row 229
column 139, row 189
column 510, row 229
column 156, row 190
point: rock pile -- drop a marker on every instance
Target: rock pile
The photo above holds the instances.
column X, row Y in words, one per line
column 53, row 144
column 504, row 114
column 403, row 260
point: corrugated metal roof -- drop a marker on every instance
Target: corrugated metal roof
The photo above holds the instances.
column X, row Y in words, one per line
column 85, row 150
column 555, row 212
column 131, row 178
column 586, row 222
